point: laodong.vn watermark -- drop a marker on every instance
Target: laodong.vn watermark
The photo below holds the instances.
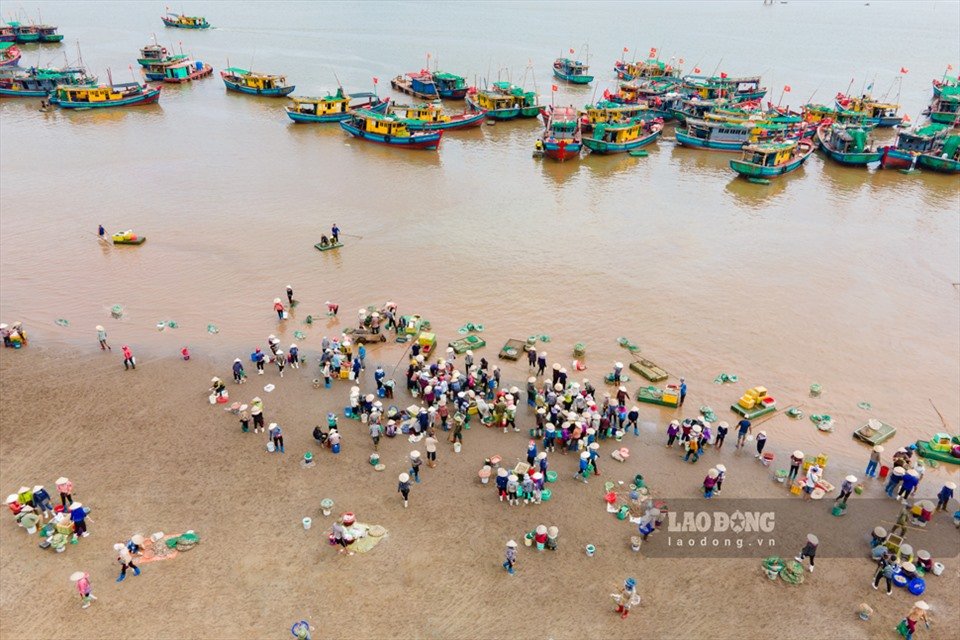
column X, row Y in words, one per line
column 716, row 530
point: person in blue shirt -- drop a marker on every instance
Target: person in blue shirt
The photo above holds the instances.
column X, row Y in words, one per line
column 101, row 231
column 946, row 492
column 531, row 452
column 361, row 353
column 502, row 483
column 378, row 377
column 335, row 233
column 293, row 356
column 632, row 417
column 238, row 371
column 743, row 428
column 909, row 483
column 41, row 500
column 78, row 515
column 594, row 451
column 356, row 368
column 582, row 470
column 258, row 358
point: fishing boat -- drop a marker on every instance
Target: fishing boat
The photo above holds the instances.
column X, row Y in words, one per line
column 942, row 447
column 880, row 114
column 186, row 71
column 910, row 144
column 946, row 159
column 419, row 84
column 492, row 104
column 388, row 129
column 449, row 85
column 561, row 138
column 818, row 113
column 25, row 33
column 180, row 21
column 48, row 33
column 716, row 136
column 527, row 101
column 9, row 54
column 153, row 54
column 334, row 108
column 127, row 237
column 847, row 145
column 609, row 112
column 945, row 108
column 105, row 95
column 723, row 86
column 572, row 71
column 938, row 85
column 650, row 68
column 37, row 83
column 254, row 83
column 771, row 159
column 432, row 116
column 156, row 71
column 623, row 137
column 7, row 34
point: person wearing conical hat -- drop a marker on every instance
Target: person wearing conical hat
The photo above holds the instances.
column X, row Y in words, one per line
column 796, row 459
column 874, row 462
column 944, row 495
column 281, row 361
column 886, row 569
column 917, row 614
column 513, row 487
column 82, row 580
column 510, row 556
column 125, row 558
column 633, row 416
column 78, row 516
column 290, row 295
column 693, row 445
column 102, row 339
column 541, row 363
column 217, row 387
column 135, row 544
column 293, row 356
column 626, row 597
column 552, row 534
column 244, row 414
column 909, row 484
column 531, row 356
column 710, row 483
column 276, row 436
column 846, row 489
column 258, row 359
column 501, row 482
column 41, row 501
column 594, row 450
column 415, row 464
column 65, row 488
column 761, row 443
column 809, row 550
column 278, row 307
column 403, row 487
column 238, row 373
column 582, row 470
column 721, row 476
column 894, row 480
column 256, row 411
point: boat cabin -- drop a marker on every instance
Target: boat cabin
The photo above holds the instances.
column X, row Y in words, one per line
column 941, row 442
column 422, row 82
column 371, row 122
column 153, row 52
column 7, row 34
column 769, row 155
column 849, row 139
column 612, row 113
column 921, row 140
column 421, row 112
column 193, row 22
column 619, row 133
column 571, row 67
column 449, row 82
column 647, row 69
column 181, row 71
column 494, row 101
column 720, row 132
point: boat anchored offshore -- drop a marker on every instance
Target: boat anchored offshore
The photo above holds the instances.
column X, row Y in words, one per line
column 37, row 83
column 620, row 137
column 432, row 116
column 105, row 95
column 847, row 145
column 910, row 144
column 561, row 138
column 186, row 71
column 572, row 71
column 254, row 83
column 334, row 108
column 389, row 130
column 493, row 104
column 768, row 160
column 419, row 84
column 180, row 21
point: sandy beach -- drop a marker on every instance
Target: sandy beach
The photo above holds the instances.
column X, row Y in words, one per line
column 147, row 453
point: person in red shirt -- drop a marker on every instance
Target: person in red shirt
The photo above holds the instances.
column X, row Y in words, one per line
column 128, row 360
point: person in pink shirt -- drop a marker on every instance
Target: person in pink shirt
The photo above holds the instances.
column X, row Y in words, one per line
column 65, row 487
column 82, row 581
column 128, row 360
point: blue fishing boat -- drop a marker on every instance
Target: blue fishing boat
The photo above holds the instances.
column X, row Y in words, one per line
column 910, row 144
column 724, row 136
column 771, row 159
column 180, row 21
column 334, row 108
column 623, row 137
column 104, row 96
column 389, row 130
column 419, row 84
column 259, row 84
column 37, row 83
column 450, row 86
column 572, row 71
column 848, row 145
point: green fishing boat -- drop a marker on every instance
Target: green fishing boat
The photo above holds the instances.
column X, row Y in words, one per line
column 941, row 447
column 946, row 159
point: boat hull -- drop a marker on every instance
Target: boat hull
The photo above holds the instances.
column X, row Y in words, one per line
column 296, row 116
column 196, row 75
column 28, row 38
column 571, row 78
column 429, row 140
column 713, row 145
column 464, row 121
column 453, row 94
column 556, row 151
column 939, row 165
column 147, row 97
column 942, row 117
column 893, row 158
column 859, row 159
column 267, row 93
column 496, row 114
column 604, row 148
column 57, row 37
column 24, row 93
column 926, row 451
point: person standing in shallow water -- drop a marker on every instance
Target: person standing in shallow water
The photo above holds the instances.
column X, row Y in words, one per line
column 128, row 361
column 102, row 339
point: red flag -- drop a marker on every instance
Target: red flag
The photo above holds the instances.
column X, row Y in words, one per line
column 653, row 52
column 906, row 118
column 376, row 80
column 786, row 88
column 571, row 50
column 554, row 87
column 904, row 70
column 949, row 67
column 696, row 69
column 625, row 50
column 680, row 60
column 723, row 74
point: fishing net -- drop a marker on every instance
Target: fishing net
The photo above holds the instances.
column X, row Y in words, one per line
column 62, row 322
column 792, row 573
column 708, row 414
column 212, row 328
column 726, row 377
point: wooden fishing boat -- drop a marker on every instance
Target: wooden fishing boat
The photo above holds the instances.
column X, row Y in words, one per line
column 9, row 54
column 180, row 21
column 128, row 237
column 771, row 159
column 623, row 137
column 156, row 71
column 186, row 71
column 389, row 130
column 105, row 95
column 494, row 105
column 25, row 33
column 327, row 247
column 419, row 84
column 649, row 370
column 431, row 116
column 696, row 108
column 852, row 146
column 512, row 349
column 910, row 144
column 722, row 86
column 880, row 114
column 716, row 136
column 37, row 83
column 561, row 138
column 945, row 108
column 650, row 68
column 153, row 54
column 941, row 447
column 527, row 101
column 875, row 432
column 668, row 397
column 48, row 33
column 254, row 83
column 946, row 159
column 334, row 108
column 449, row 85
column 7, row 34
column 572, row 71
column 606, row 112
column 938, row 85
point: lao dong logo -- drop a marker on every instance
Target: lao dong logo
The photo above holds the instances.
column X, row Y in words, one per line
column 720, row 522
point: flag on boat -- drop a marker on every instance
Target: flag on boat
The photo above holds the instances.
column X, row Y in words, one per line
column 904, row 70
column 949, row 67
column 625, row 50
column 696, row 69
column 723, row 74
column 680, row 60
column 786, row 88
column 906, row 118
column 376, row 80
column 554, row 87
column 571, row 50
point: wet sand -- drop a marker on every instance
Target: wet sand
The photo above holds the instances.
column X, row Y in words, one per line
column 147, row 452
